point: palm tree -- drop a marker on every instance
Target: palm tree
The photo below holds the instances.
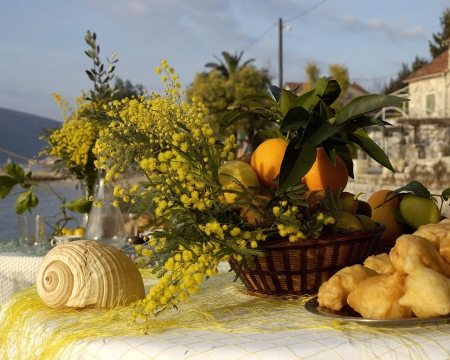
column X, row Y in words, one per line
column 231, row 65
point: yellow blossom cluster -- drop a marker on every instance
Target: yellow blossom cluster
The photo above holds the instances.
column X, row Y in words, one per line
column 179, row 156
column 77, row 135
column 183, row 273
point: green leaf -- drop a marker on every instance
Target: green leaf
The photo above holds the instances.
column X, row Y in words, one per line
column 295, row 118
column 346, row 155
column 296, row 164
column 26, row 201
column 276, row 92
column 326, row 111
column 80, row 205
column 366, row 103
column 7, row 183
column 15, row 171
column 317, row 130
column 285, row 101
column 230, row 117
column 331, row 92
column 446, row 194
column 414, row 187
column 260, row 96
column 307, row 100
column 91, row 77
column 363, row 142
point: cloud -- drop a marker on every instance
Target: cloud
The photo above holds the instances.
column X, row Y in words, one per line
column 394, row 30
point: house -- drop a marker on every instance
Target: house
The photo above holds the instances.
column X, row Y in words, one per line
column 429, row 89
column 429, row 106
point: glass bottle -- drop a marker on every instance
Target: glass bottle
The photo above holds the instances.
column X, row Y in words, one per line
column 105, row 223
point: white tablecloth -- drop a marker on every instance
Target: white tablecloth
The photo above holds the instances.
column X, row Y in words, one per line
column 17, row 272
column 244, row 328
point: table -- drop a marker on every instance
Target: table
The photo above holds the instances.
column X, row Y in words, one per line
column 219, row 322
column 17, row 269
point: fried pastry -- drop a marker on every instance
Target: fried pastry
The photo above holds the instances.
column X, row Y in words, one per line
column 435, row 233
column 380, row 263
column 333, row 293
column 413, row 245
column 427, row 291
column 377, row 297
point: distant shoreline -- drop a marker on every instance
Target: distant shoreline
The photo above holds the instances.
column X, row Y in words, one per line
column 41, row 175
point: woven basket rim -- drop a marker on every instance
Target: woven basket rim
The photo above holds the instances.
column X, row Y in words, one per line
column 361, row 235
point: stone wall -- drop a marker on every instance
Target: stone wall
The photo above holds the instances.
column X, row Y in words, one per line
column 433, row 173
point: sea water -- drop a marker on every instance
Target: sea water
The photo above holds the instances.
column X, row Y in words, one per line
column 49, row 205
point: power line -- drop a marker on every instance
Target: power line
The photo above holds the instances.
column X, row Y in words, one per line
column 306, row 11
column 275, row 24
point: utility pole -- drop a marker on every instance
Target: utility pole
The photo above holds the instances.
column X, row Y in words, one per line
column 280, row 53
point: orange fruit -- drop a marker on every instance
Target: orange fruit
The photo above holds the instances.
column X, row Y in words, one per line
column 324, row 174
column 394, row 228
column 266, row 161
column 378, row 197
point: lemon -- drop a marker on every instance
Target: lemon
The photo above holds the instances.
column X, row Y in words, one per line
column 79, row 231
column 348, row 202
column 66, row 231
column 348, row 222
column 419, row 210
column 242, row 172
column 366, row 221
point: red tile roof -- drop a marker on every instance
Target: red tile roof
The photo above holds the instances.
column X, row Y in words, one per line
column 436, row 66
column 358, row 87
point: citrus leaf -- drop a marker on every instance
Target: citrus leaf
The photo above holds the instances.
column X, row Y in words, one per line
column 331, row 93
column 364, row 104
column 295, row 118
column 317, row 130
column 7, row 183
column 251, row 104
column 15, row 171
column 276, row 92
column 446, row 194
column 230, row 117
column 363, row 142
column 307, row 100
column 285, row 100
column 26, row 201
column 296, row 164
column 414, row 187
column 258, row 96
column 80, row 205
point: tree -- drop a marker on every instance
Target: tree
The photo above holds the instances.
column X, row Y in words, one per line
column 340, row 74
column 312, row 75
column 223, row 86
column 397, row 83
column 231, row 66
column 127, row 89
column 436, row 46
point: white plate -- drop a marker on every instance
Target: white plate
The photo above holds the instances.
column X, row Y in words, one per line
column 348, row 314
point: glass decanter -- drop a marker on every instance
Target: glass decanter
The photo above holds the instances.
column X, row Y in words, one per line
column 105, row 223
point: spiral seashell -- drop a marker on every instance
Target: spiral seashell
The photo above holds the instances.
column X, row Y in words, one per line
column 87, row 273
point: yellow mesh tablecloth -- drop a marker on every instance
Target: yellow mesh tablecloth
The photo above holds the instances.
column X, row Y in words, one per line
column 219, row 322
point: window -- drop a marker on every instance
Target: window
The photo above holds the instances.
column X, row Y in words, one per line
column 430, row 103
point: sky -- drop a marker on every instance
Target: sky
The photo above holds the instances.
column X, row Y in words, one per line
column 42, row 42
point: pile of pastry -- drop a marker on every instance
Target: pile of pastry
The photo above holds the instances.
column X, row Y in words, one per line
column 412, row 280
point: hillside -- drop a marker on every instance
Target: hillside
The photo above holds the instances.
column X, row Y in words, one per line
column 20, row 134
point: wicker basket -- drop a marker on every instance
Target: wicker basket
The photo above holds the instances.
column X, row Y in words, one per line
column 299, row 268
